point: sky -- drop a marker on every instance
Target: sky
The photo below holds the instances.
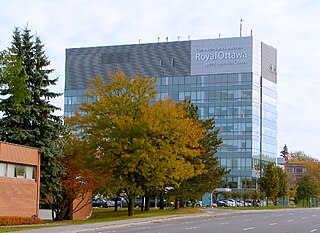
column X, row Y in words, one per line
column 290, row 26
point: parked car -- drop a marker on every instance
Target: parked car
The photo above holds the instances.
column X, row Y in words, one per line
column 248, row 203
column 240, row 203
column 154, row 202
column 232, row 203
column 198, row 204
column 229, row 203
column 122, row 202
column 102, row 203
column 214, row 204
column 219, row 203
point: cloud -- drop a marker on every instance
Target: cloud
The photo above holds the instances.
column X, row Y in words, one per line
column 290, row 26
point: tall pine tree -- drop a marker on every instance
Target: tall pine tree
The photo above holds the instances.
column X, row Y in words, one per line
column 27, row 115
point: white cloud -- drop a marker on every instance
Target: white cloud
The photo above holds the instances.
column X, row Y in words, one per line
column 290, row 26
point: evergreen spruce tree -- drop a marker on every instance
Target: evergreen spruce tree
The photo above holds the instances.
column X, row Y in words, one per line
column 27, row 116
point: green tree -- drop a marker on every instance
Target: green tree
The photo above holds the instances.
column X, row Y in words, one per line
column 194, row 187
column 28, row 117
column 269, row 182
column 173, row 145
column 141, row 145
column 283, row 184
column 307, row 186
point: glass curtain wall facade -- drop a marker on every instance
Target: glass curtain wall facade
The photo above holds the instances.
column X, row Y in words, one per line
column 237, row 86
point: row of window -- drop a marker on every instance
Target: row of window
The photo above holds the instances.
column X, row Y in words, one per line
column 242, row 163
column 236, row 163
column 225, row 111
column 236, row 145
column 238, row 78
column 241, row 182
column 199, row 96
column 17, row 171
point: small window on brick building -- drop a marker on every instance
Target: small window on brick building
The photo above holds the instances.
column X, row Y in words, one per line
column 20, row 171
column 3, row 169
column 30, row 172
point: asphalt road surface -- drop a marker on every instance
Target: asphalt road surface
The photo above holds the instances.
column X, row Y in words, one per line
column 272, row 221
column 304, row 220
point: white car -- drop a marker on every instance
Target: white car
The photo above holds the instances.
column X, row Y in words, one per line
column 233, row 202
column 240, row 203
column 229, row 203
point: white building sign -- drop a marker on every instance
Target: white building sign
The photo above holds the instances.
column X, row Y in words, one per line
column 216, row 56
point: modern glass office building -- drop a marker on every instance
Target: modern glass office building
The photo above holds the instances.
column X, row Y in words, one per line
column 233, row 80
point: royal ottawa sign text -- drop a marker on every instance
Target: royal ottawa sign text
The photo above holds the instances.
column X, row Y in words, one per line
column 221, row 56
column 216, row 56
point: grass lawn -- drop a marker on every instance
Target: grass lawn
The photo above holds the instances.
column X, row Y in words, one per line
column 108, row 214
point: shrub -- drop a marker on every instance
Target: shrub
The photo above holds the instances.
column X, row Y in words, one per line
column 14, row 220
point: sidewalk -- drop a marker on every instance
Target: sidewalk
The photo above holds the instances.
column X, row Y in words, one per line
column 114, row 224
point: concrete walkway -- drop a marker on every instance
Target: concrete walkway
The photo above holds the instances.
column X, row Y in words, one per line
column 114, row 224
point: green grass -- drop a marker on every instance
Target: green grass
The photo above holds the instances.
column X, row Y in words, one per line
column 23, row 228
column 107, row 215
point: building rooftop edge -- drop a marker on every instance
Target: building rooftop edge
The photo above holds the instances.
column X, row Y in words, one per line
column 161, row 42
column 15, row 144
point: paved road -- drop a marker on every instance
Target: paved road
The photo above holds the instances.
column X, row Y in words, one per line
column 212, row 221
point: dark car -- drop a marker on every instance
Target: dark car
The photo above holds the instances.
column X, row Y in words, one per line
column 220, row 203
column 122, row 202
column 154, row 202
column 99, row 203
column 102, row 203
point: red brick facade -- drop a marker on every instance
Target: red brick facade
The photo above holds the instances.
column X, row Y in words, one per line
column 82, row 207
column 19, row 196
column 296, row 170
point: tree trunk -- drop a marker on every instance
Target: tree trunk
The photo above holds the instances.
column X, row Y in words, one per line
column 147, row 203
column 142, row 204
column 161, row 201
column 116, row 203
column 267, row 201
column 131, row 206
column 176, row 203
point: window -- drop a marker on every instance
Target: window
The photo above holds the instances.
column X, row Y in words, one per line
column 164, row 95
column 181, row 96
column 17, row 171
column 211, row 111
column 3, row 169
column 165, row 81
column 30, row 172
column 20, row 171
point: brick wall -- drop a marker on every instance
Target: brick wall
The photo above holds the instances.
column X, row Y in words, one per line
column 19, row 196
column 82, row 207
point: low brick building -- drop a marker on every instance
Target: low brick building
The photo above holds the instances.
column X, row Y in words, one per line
column 295, row 169
column 19, row 180
column 81, row 208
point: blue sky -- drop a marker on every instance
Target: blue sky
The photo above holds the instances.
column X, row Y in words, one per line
column 291, row 26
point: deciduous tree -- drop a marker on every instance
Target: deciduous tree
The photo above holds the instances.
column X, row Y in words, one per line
column 269, row 182
column 142, row 145
column 211, row 176
column 283, row 184
column 307, row 186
